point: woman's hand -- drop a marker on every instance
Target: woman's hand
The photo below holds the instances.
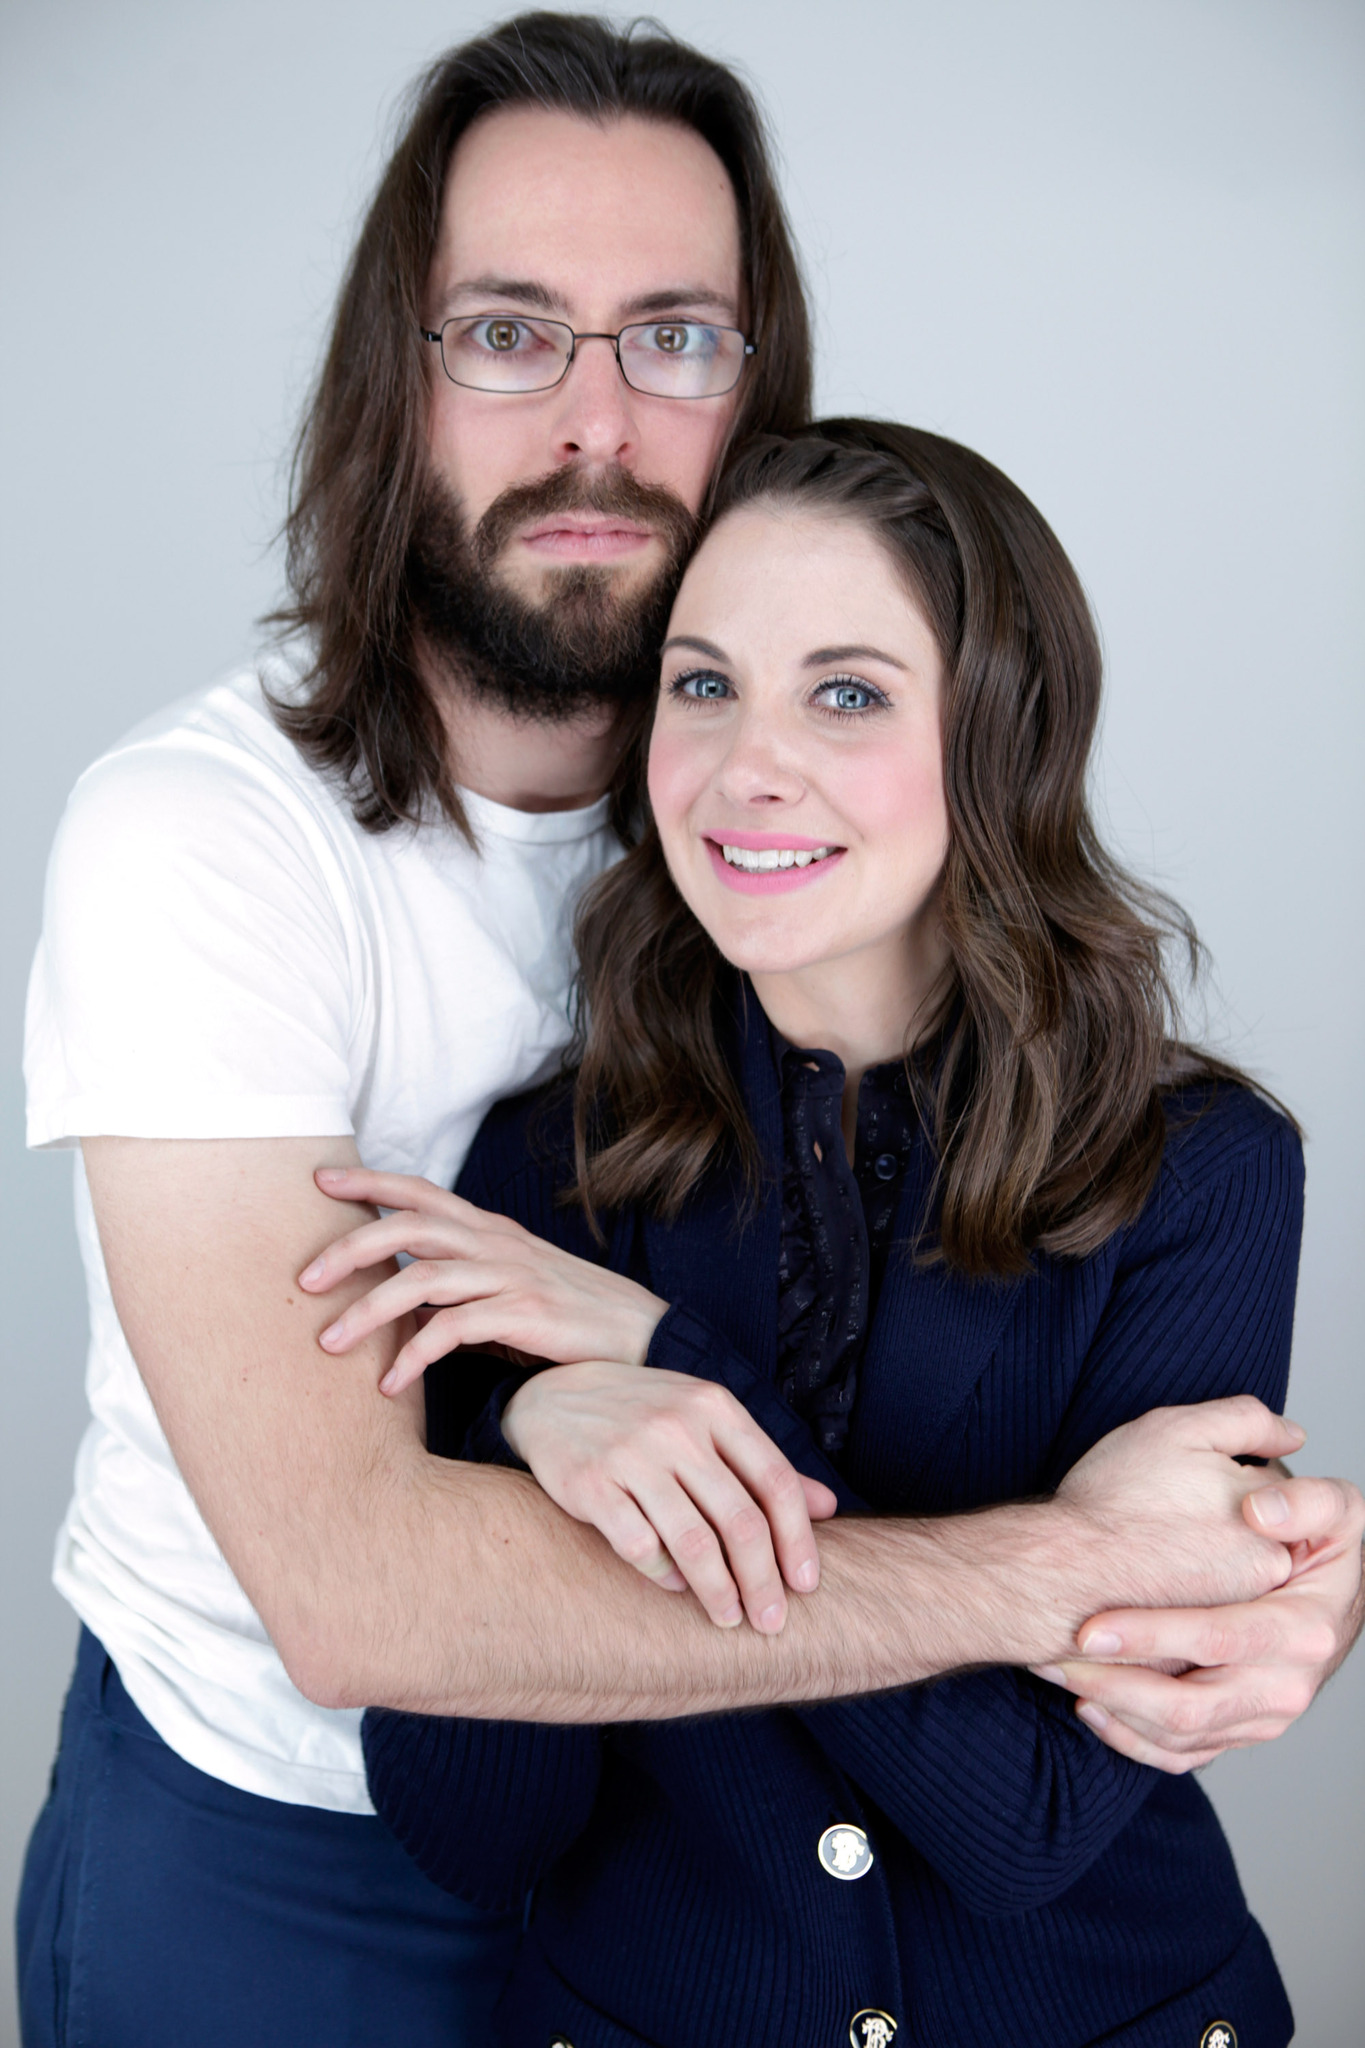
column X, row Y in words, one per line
column 680, row 1480
column 491, row 1283
column 675, row 1474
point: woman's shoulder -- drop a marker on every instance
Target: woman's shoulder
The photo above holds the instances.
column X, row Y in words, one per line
column 1231, row 1173
column 1220, row 1126
column 521, row 1162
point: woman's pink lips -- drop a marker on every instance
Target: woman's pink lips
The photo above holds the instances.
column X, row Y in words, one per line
column 770, row 881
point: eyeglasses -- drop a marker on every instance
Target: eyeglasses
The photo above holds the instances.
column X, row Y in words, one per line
column 664, row 358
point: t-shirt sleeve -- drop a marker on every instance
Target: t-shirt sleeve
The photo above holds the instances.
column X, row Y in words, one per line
column 199, row 973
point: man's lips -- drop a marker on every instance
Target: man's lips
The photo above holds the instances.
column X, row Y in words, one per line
column 771, row 881
column 584, row 537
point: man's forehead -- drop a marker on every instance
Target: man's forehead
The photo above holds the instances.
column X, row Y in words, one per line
column 568, row 214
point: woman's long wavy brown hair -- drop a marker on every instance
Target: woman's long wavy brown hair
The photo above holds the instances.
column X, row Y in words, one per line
column 364, row 714
column 1042, row 1067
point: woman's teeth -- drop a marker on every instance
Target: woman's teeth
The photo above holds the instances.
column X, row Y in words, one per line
column 756, row 861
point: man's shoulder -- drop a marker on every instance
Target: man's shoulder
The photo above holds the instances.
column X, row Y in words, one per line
column 211, row 771
column 227, row 727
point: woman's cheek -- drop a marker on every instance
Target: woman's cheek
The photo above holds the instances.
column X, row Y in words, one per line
column 676, row 776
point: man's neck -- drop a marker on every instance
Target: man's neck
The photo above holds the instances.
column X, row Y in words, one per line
column 528, row 764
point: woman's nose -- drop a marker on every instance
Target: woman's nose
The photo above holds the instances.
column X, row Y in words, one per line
column 760, row 766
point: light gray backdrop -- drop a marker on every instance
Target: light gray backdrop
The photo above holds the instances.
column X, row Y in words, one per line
column 1116, row 246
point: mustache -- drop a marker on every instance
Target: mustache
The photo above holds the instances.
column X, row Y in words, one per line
column 612, row 493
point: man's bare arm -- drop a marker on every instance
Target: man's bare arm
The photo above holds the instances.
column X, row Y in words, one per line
column 388, row 1577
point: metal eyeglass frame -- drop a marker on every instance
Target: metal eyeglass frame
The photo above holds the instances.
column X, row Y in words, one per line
column 632, row 327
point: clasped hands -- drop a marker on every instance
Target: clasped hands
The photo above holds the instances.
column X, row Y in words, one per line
column 686, row 1488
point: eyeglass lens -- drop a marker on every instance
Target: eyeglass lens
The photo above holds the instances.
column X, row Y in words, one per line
column 666, row 358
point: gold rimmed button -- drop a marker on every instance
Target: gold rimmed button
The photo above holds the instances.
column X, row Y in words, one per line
column 871, row 2028
column 845, row 1851
column 1219, row 2034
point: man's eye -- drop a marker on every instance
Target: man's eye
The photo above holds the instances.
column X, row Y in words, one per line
column 501, row 336
column 680, row 338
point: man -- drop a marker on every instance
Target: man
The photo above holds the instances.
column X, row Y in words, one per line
column 291, row 929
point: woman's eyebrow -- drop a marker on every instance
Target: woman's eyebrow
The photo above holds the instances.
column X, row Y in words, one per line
column 822, row 655
column 706, row 647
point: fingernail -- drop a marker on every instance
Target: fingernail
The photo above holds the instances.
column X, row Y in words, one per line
column 311, row 1273
column 771, row 1619
column 1052, row 1674
column 732, row 1616
column 1270, row 1507
column 331, row 1335
column 389, row 1383
column 1297, row 1427
column 807, row 1576
column 1101, row 1642
column 1093, row 1716
column 330, row 1173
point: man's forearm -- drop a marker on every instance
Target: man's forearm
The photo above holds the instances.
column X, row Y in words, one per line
column 512, row 1611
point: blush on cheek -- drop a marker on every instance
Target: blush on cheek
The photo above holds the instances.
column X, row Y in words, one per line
column 675, row 778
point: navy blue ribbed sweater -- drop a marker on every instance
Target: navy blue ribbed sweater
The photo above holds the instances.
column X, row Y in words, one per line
column 1030, row 1887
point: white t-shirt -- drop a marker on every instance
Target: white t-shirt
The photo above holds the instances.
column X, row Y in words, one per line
column 226, row 954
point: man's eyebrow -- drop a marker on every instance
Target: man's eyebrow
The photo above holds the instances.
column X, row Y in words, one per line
column 526, row 291
column 823, row 655
column 679, row 296
column 706, row 647
column 529, row 291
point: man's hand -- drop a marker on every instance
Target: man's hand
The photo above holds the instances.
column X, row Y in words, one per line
column 1175, row 1688
column 1165, row 1495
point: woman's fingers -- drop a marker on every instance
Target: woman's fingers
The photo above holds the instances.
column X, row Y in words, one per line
column 777, row 1488
column 634, row 1539
column 393, row 1191
column 717, row 1538
column 416, row 1285
column 370, row 1244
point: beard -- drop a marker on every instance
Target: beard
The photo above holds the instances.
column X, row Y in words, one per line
column 586, row 643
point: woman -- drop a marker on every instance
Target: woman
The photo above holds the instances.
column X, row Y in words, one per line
column 881, row 1123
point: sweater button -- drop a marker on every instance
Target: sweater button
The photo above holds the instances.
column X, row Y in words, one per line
column 845, row 1852
column 561, row 2041
column 1219, row 2034
column 871, row 2028
column 886, row 1166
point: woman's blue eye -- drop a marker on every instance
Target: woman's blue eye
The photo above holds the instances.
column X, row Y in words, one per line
column 848, row 696
column 701, row 683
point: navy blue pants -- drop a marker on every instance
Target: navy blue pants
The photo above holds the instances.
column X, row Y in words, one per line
column 161, row 1908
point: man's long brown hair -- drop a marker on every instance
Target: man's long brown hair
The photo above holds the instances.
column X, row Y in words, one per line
column 365, row 715
column 1041, row 1065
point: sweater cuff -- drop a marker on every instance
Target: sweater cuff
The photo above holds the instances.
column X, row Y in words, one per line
column 485, row 1444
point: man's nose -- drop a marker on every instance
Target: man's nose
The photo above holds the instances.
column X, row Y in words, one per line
column 595, row 421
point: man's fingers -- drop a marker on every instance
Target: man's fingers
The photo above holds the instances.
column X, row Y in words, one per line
column 1240, row 1426
column 1197, row 1714
column 1307, row 1510
column 1141, row 1748
column 1269, row 1631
